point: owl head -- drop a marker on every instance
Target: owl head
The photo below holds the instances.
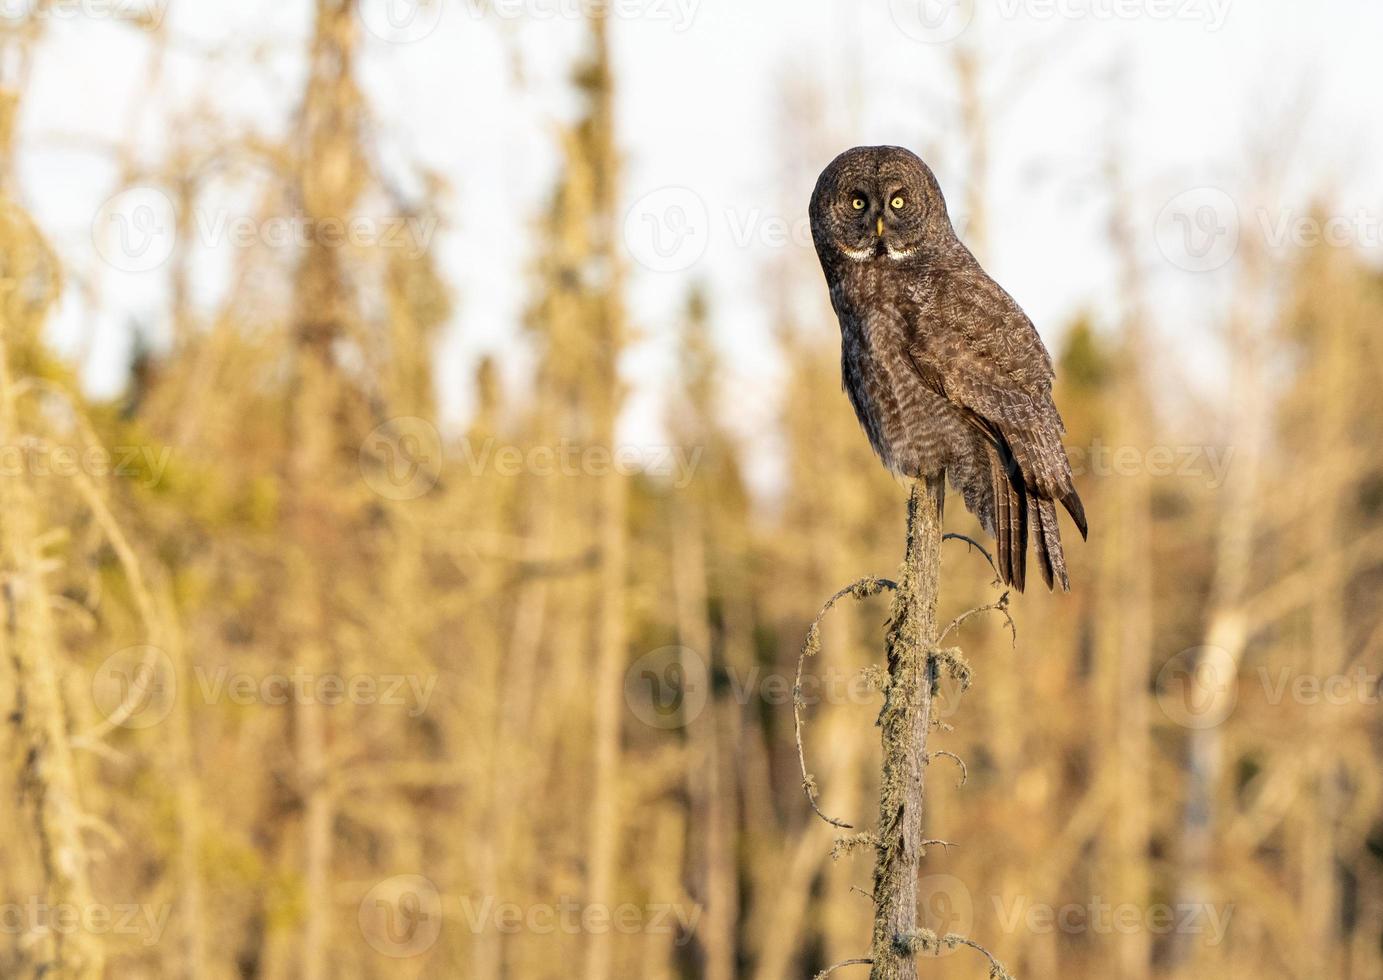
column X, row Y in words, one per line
column 877, row 203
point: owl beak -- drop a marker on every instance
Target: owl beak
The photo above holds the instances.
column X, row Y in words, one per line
column 879, row 226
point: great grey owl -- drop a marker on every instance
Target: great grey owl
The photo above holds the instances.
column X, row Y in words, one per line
column 943, row 368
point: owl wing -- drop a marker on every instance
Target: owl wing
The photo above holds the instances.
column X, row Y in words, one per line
column 971, row 343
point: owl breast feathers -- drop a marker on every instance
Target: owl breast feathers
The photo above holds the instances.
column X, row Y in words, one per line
column 944, row 370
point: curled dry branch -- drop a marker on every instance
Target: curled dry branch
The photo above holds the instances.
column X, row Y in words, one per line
column 999, row 605
column 862, row 589
column 977, row 546
column 964, row 772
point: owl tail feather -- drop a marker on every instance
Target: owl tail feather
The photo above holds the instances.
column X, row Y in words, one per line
column 1016, row 507
column 1010, row 520
column 1077, row 511
column 1050, row 558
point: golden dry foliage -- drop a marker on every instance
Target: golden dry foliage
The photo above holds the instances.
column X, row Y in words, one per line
column 298, row 685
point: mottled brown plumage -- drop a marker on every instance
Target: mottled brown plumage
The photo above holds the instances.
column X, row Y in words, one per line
column 944, row 369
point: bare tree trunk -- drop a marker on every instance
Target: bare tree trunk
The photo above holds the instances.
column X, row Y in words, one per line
column 1330, row 646
column 975, row 128
column 319, row 813
column 312, row 527
column 48, row 779
column 604, row 830
column 905, row 720
column 1125, row 602
column 1227, row 629
column 840, row 914
column 716, row 874
column 185, row 777
column 611, row 634
column 328, row 183
column 780, row 935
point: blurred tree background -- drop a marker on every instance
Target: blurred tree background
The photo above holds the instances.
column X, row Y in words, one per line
column 301, row 682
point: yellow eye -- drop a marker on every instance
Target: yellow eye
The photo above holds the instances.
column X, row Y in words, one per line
column 897, row 203
column 858, row 204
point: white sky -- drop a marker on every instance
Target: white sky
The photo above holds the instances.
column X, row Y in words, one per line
column 700, row 83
